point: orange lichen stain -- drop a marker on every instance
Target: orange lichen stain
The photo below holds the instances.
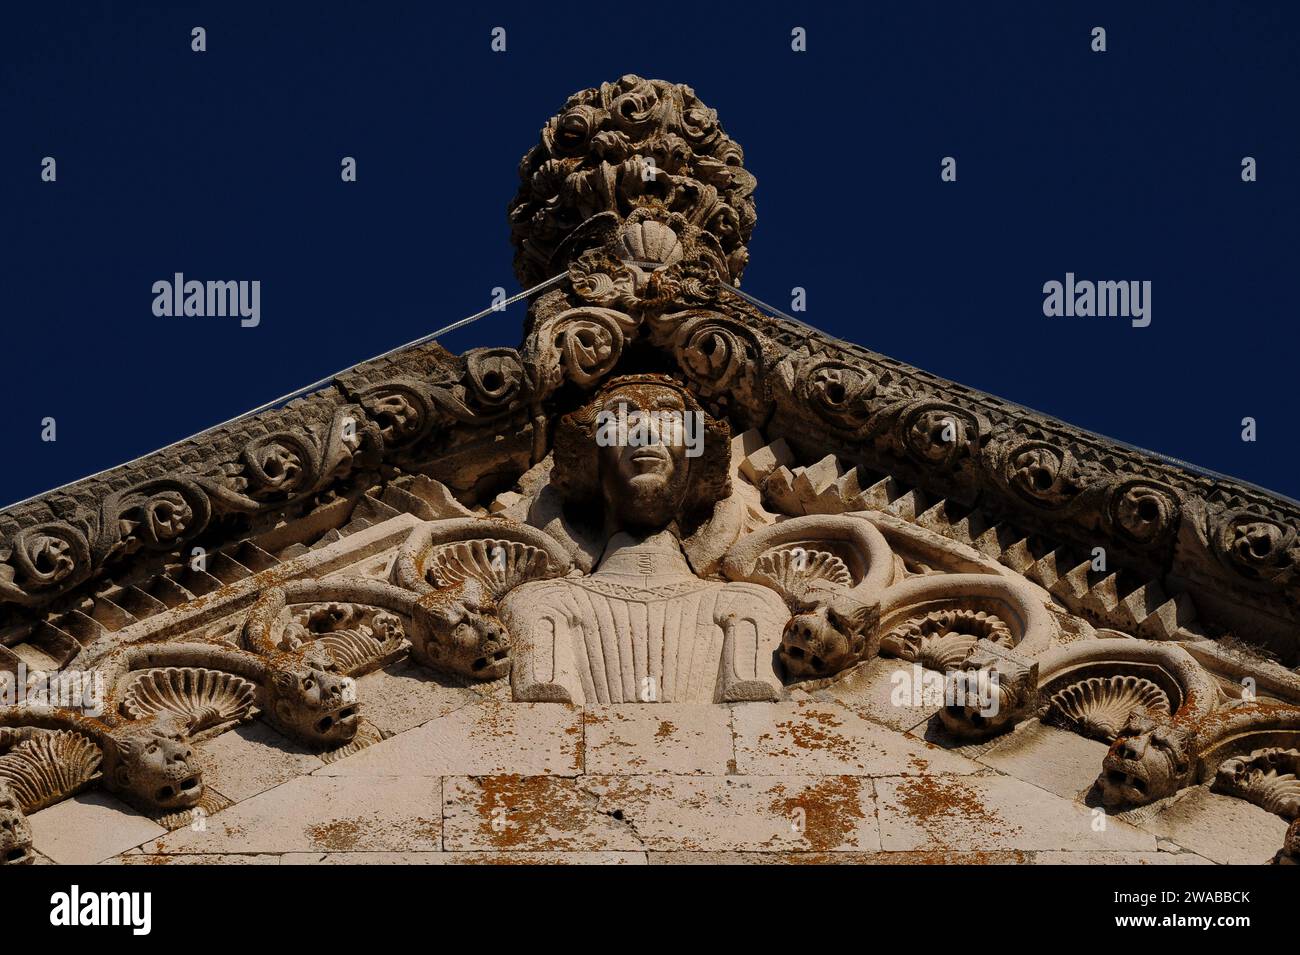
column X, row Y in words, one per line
column 919, row 763
column 815, row 731
column 666, row 729
column 936, row 803
column 338, row 836
column 529, row 811
column 832, row 810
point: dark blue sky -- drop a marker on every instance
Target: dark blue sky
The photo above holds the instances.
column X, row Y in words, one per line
column 225, row 165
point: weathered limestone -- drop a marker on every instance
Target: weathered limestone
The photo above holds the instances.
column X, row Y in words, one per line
column 673, row 579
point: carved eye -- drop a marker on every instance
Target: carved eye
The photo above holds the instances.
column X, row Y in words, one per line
column 308, row 683
column 153, row 748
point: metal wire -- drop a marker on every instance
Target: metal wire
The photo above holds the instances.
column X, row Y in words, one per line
column 315, row 385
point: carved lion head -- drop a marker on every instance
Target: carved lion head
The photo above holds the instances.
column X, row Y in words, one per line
column 313, row 705
column 819, row 643
column 15, row 831
column 464, row 636
column 150, row 763
column 1150, row 760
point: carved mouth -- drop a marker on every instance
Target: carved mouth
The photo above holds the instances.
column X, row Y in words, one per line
column 189, row 788
column 491, row 665
column 799, row 660
column 339, row 721
column 18, row 855
column 1127, row 780
column 649, row 456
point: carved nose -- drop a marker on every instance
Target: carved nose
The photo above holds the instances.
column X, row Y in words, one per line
column 1133, row 748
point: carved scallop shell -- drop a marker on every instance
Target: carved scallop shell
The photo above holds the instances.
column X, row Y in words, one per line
column 791, row 571
column 651, row 242
column 1099, row 706
column 1267, row 777
column 48, row 767
column 945, row 652
column 499, row 564
column 206, row 698
column 355, row 650
column 943, row 639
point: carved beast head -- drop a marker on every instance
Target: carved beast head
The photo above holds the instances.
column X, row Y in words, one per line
column 1150, row 760
column 464, row 636
column 313, row 705
column 995, row 694
column 149, row 762
column 820, row 643
column 15, row 831
column 1290, row 852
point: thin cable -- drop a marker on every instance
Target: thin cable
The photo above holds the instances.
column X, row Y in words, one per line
column 752, row 300
column 307, row 389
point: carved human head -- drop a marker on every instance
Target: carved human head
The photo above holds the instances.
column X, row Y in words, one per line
column 15, row 831
column 1150, row 760
column 645, row 447
column 150, row 763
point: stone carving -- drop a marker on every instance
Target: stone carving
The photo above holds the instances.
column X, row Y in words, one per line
column 1154, row 758
column 463, row 568
column 1267, row 777
column 207, row 698
column 885, row 512
column 1289, row 854
column 642, row 626
column 831, row 571
column 148, row 762
column 943, row 639
column 623, row 147
column 1092, row 687
column 41, row 767
column 297, row 693
column 1099, row 707
column 15, row 830
column 649, row 259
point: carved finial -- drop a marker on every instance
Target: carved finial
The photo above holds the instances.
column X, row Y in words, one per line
column 634, row 146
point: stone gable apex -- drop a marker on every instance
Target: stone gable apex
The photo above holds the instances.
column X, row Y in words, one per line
column 455, row 515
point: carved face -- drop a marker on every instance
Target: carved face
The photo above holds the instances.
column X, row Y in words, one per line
column 465, row 639
column 992, row 700
column 151, row 763
column 819, row 644
column 1148, row 762
column 15, row 832
column 644, row 474
column 314, row 706
column 1290, row 854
